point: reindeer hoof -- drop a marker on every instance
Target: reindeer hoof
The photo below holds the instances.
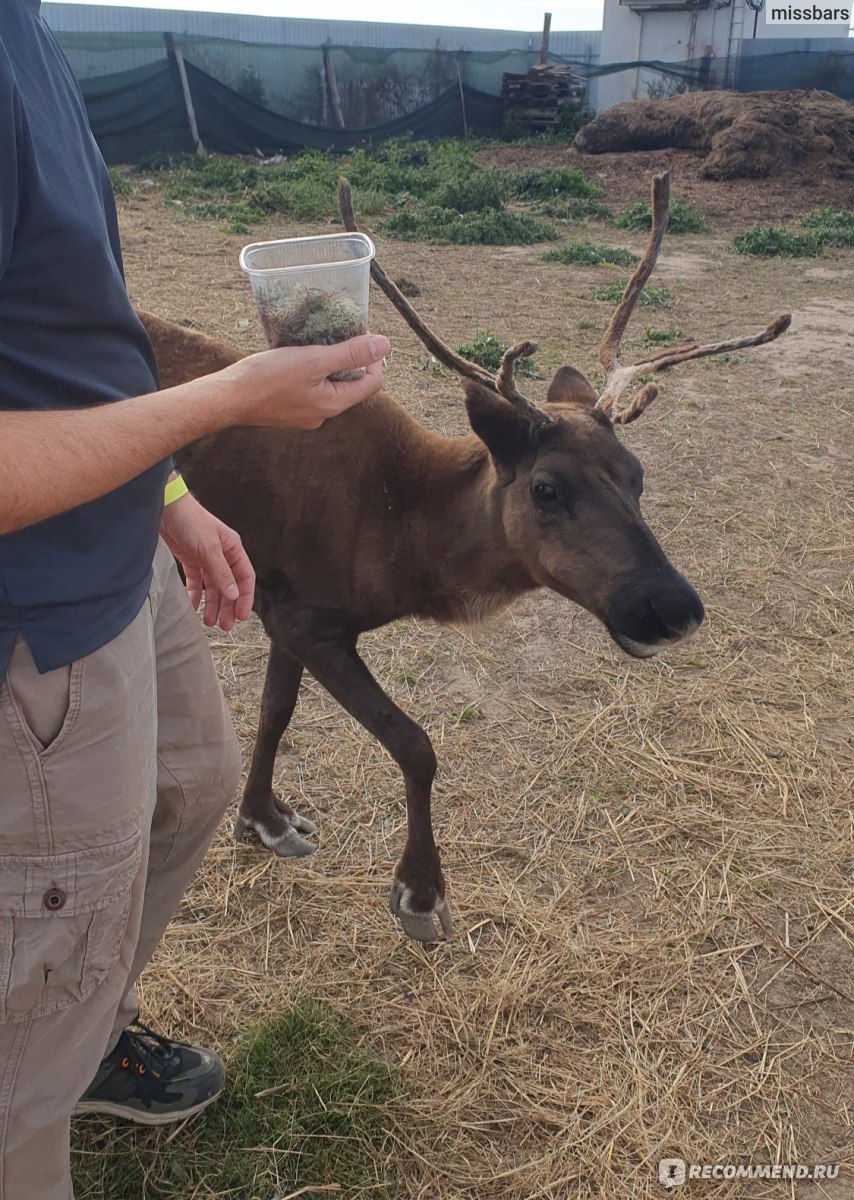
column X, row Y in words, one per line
column 419, row 924
column 279, row 834
column 301, row 823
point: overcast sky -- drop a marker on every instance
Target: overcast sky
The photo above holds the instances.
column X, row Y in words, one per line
column 480, row 14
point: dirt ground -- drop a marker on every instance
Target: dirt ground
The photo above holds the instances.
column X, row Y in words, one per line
column 650, row 864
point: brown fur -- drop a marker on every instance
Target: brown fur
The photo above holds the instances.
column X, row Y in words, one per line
column 373, row 517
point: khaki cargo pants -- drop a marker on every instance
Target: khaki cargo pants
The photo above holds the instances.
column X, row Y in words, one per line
column 114, row 774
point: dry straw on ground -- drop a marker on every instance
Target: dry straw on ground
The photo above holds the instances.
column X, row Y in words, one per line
column 650, row 864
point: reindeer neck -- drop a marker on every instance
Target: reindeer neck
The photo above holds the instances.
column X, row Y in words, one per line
column 460, row 565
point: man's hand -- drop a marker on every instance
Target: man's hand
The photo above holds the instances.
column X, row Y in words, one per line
column 213, row 559
column 290, row 388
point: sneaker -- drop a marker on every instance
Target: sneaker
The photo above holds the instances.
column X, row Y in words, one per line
column 152, row 1080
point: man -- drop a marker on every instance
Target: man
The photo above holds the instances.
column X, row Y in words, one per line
column 117, row 756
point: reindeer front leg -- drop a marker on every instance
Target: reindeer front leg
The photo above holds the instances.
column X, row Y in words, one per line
column 418, row 891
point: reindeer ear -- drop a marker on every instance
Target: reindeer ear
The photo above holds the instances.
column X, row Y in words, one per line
column 503, row 430
column 570, row 389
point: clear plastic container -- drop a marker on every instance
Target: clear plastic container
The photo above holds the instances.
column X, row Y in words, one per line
column 311, row 291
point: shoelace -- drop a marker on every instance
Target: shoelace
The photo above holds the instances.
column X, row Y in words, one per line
column 146, row 1052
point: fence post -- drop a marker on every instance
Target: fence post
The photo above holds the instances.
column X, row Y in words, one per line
column 544, row 47
column 332, row 88
column 178, row 59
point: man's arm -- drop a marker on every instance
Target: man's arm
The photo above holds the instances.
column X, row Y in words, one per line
column 57, row 460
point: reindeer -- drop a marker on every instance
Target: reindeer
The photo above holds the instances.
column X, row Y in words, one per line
column 373, row 517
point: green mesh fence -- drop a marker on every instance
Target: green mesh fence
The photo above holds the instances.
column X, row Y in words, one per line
column 251, row 97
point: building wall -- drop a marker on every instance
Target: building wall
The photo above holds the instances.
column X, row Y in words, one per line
column 286, row 31
column 673, row 37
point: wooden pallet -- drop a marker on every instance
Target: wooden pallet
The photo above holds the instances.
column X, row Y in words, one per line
column 535, row 99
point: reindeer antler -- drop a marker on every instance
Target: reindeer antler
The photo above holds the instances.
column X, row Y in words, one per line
column 503, row 383
column 617, row 377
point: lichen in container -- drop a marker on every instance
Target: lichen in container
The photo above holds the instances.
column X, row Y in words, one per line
column 311, row 291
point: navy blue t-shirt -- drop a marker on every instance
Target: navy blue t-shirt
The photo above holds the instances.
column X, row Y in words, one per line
column 68, row 339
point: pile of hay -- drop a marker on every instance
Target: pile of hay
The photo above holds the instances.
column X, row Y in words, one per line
column 743, row 136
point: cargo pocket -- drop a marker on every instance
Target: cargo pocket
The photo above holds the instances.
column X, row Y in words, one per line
column 62, row 921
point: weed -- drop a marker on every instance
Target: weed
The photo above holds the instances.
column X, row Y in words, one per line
column 304, row 1106
column 540, row 182
column 490, row 227
column 660, row 337
column 591, row 254
column 570, row 118
column 440, row 182
column 585, row 325
column 486, row 350
column 683, row 218
column 574, row 208
column 656, row 297
column 122, row 184
column 471, row 192
column 832, row 227
column 769, row 241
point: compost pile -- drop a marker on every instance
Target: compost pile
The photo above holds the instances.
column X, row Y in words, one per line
column 742, row 135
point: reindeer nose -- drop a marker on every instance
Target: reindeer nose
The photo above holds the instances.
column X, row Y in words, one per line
column 677, row 607
column 652, row 611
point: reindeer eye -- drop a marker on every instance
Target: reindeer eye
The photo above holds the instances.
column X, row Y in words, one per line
column 545, row 496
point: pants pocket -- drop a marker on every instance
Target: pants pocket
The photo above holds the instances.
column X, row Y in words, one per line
column 44, row 706
column 62, row 921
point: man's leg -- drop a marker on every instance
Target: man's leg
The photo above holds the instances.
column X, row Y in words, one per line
column 77, row 792
column 198, row 769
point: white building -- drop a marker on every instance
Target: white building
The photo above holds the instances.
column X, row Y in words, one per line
column 687, row 31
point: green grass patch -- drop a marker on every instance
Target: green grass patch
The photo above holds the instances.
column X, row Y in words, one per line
column 303, row 1106
column 591, row 254
column 486, row 350
column 121, row 182
column 660, row 337
column 832, row 227
column 537, row 183
column 683, row 218
column 490, row 227
column 574, row 208
column 427, row 191
column 651, row 296
column 769, row 241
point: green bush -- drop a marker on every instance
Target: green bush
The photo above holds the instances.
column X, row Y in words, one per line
column 769, row 241
column 471, row 192
column 486, row 350
column 832, row 227
column 683, row 218
column 591, row 254
column 655, row 297
column 571, row 118
column 490, row 227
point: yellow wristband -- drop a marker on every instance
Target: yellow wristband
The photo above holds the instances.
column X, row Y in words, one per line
column 174, row 490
